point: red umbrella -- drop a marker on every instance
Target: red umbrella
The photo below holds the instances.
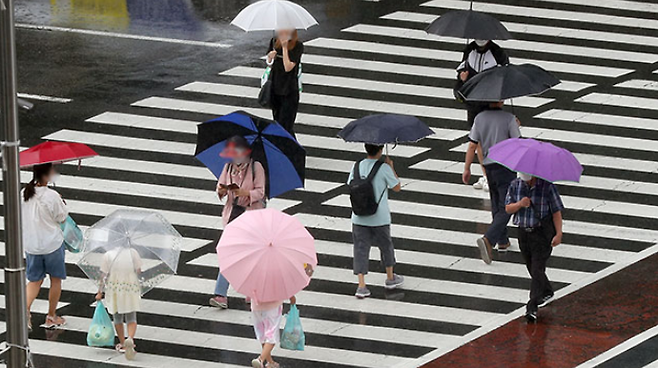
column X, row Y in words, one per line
column 55, row 152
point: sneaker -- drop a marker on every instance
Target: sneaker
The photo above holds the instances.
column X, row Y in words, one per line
column 256, row 363
column 485, row 249
column 219, row 302
column 129, row 345
column 362, row 293
column 485, row 186
column 272, row 365
column 480, row 183
column 503, row 247
column 396, row 282
column 531, row 317
column 545, row 300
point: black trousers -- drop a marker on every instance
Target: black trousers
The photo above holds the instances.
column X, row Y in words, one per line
column 499, row 178
column 284, row 110
column 536, row 250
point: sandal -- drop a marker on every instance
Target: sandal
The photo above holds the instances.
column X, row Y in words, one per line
column 273, row 365
column 119, row 348
column 29, row 323
column 54, row 322
column 257, row 363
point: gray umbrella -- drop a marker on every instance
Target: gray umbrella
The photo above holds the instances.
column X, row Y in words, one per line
column 509, row 81
column 469, row 24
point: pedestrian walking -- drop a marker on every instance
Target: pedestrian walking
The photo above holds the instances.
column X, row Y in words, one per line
column 43, row 211
column 491, row 127
column 369, row 181
column 121, row 289
column 479, row 55
column 266, row 318
column 537, row 209
column 242, row 185
column 284, row 56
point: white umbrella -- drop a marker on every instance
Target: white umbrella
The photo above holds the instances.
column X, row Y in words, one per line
column 274, row 15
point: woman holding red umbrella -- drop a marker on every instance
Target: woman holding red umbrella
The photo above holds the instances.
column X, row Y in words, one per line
column 43, row 211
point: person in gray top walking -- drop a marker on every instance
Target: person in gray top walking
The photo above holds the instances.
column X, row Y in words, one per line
column 491, row 127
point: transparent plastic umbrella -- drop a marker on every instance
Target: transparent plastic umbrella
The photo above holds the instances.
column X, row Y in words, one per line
column 144, row 238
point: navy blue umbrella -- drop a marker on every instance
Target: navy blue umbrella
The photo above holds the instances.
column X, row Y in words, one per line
column 381, row 129
column 282, row 157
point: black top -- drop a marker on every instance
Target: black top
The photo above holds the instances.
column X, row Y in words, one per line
column 284, row 83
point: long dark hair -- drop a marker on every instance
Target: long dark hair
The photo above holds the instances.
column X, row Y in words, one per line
column 38, row 173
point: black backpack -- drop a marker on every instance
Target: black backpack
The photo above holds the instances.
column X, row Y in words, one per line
column 362, row 193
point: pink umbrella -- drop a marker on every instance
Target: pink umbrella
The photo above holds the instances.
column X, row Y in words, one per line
column 263, row 254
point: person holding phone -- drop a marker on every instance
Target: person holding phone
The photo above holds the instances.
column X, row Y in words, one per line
column 284, row 56
column 242, row 185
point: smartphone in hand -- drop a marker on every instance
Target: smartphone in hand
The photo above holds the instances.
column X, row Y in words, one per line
column 231, row 187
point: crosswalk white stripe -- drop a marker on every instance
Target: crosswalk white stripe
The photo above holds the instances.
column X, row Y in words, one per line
column 448, row 236
column 39, row 306
column 377, row 86
column 653, row 364
column 619, row 100
column 177, row 170
column 332, row 101
column 246, row 345
column 599, row 119
column 109, row 356
column 590, row 138
column 187, row 149
column 410, row 283
column 618, row 163
column 552, row 48
column 434, row 54
column 408, row 69
column 527, row 28
column 580, row 203
column 638, row 6
column 543, row 13
column 484, row 217
column 642, row 84
column 316, row 326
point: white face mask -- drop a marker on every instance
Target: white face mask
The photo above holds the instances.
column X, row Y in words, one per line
column 481, row 43
column 525, row 177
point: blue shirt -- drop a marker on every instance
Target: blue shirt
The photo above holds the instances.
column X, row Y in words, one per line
column 384, row 179
column 544, row 197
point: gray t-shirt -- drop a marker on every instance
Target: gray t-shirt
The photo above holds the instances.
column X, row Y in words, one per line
column 492, row 127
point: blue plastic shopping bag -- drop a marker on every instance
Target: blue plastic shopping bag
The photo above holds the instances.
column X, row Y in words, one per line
column 73, row 237
column 293, row 337
column 101, row 331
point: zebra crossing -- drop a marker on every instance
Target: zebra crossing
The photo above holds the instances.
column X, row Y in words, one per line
column 605, row 112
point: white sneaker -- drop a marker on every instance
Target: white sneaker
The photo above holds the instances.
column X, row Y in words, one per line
column 485, row 187
column 481, row 183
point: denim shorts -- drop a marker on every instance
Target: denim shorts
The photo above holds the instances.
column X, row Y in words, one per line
column 40, row 265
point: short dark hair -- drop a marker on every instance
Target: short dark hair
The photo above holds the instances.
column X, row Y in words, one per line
column 373, row 149
column 238, row 141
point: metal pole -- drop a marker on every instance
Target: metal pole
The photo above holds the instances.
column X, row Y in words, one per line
column 14, row 269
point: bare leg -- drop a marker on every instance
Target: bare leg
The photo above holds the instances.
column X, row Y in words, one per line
column 121, row 333
column 362, row 280
column 32, row 290
column 389, row 273
column 54, row 295
column 132, row 329
column 266, row 355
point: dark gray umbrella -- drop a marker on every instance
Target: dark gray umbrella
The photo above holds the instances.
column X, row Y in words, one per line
column 469, row 24
column 509, row 81
column 381, row 129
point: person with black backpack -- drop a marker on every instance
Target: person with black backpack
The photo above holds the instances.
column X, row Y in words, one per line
column 369, row 182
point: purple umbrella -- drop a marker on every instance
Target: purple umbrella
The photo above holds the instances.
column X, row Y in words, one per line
column 539, row 159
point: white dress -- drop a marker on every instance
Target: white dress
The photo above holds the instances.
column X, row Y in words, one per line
column 122, row 287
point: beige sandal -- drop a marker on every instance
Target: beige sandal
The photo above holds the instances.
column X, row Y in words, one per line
column 54, row 322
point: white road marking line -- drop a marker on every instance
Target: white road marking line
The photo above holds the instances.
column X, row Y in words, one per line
column 638, row 6
column 543, row 13
column 44, row 98
column 39, row 306
column 599, row 119
column 434, row 54
column 642, row 84
column 619, row 100
column 483, row 217
column 407, row 69
column 378, row 86
column 332, row 101
column 419, row 284
column 590, row 138
column 582, row 34
column 543, row 47
column 448, row 236
column 122, row 35
column 619, row 349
